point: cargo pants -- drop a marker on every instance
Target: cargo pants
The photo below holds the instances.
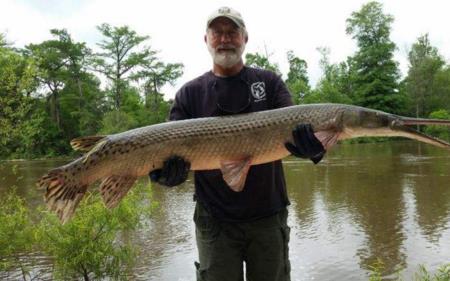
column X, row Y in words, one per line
column 223, row 247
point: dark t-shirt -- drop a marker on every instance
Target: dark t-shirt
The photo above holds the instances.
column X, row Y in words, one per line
column 251, row 90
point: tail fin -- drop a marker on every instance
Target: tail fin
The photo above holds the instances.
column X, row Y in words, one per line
column 63, row 194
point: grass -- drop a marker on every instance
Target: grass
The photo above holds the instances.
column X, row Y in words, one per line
column 423, row 274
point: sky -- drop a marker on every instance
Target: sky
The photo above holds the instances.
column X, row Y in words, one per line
column 176, row 27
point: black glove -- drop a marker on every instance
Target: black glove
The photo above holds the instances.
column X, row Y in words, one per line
column 306, row 144
column 174, row 172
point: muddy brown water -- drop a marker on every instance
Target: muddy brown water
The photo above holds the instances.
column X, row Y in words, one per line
column 364, row 201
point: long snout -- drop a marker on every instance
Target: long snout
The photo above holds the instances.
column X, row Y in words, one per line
column 401, row 125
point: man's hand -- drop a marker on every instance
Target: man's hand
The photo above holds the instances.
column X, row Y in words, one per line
column 174, row 172
column 306, row 144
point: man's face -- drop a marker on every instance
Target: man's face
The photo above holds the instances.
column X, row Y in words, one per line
column 226, row 42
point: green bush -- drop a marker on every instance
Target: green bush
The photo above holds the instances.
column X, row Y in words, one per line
column 16, row 233
column 442, row 273
column 441, row 132
column 91, row 245
column 117, row 121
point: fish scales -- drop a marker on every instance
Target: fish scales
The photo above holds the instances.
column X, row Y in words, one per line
column 207, row 143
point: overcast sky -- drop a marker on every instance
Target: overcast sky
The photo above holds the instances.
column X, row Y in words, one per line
column 176, row 27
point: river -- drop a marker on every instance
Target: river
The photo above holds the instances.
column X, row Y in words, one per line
column 362, row 202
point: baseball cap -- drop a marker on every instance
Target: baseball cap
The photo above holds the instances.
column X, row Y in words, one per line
column 229, row 13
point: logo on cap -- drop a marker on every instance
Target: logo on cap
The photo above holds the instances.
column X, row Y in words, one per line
column 224, row 10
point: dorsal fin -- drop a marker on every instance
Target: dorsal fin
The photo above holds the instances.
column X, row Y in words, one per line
column 234, row 172
column 85, row 143
column 96, row 148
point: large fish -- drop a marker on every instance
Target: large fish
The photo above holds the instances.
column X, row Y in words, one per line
column 231, row 144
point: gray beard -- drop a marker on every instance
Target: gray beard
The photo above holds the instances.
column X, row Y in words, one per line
column 226, row 59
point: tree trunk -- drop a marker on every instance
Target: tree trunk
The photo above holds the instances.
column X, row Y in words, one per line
column 80, row 93
column 417, row 113
column 85, row 274
column 57, row 110
column 155, row 92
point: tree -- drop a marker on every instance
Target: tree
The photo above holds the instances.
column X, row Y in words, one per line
column 375, row 73
column 439, row 131
column 335, row 84
column 81, row 99
column 297, row 80
column 3, row 42
column 425, row 63
column 120, row 58
column 441, row 89
column 19, row 120
column 74, row 98
column 76, row 56
column 260, row 61
column 156, row 75
column 51, row 73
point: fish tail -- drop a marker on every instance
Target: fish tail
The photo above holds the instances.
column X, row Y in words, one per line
column 63, row 193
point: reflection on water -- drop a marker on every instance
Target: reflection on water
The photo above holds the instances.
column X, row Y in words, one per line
column 389, row 201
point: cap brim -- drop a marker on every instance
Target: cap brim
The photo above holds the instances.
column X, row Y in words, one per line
column 236, row 21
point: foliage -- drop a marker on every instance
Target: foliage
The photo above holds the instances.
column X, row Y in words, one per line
column 423, row 274
column 117, row 121
column 19, row 121
column 156, row 74
column 16, row 233
column 49, row 94
column 70, row 95
column 93, row 244
column 441, row 89
column 120, row 58
column 442, row 274
column 375, row 73
column 335, row 85
column 257, row 60
column 439, row 131
column 425, row 64
column 3, row 42
column 297, row 78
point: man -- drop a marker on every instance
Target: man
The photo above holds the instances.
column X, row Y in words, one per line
column 247, row 226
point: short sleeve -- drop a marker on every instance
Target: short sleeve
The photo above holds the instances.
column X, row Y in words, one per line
column 179, row 110
column 282, row 97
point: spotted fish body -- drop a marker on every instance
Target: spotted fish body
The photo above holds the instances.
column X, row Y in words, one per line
column 230, row 143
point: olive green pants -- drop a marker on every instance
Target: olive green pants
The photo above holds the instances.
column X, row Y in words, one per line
column 223, row 247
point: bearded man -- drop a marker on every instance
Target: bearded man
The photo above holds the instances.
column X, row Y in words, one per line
column 233, row 228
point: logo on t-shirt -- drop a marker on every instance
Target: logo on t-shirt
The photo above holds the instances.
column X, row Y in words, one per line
column 258, row 91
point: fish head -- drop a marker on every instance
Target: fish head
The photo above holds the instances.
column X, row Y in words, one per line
column 364, row 122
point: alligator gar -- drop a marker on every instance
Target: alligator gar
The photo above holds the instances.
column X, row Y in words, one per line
column 229, row 143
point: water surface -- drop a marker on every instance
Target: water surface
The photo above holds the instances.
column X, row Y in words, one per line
column 388, row 201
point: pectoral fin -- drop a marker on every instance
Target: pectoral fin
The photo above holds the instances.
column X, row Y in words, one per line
column 114, row 188
column 235, row 172
column 327, row 138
